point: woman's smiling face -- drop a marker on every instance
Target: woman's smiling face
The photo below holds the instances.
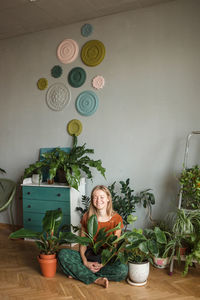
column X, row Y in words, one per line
column 100, row 199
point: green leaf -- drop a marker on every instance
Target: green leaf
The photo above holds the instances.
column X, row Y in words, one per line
column 153, row 248
column 92, row 226
column 160, row 236
column 24, row 233
column 52, row 220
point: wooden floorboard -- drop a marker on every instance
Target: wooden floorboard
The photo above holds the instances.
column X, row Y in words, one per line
column 20, row 279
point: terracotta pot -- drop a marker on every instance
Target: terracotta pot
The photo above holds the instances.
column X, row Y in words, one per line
column 182, row 250
column 48, row 265
column 47, row 256
column 50, row 181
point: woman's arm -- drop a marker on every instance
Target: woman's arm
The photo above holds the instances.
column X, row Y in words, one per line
column 83, row 248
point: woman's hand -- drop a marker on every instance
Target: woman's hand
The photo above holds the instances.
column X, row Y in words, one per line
column 93, row 266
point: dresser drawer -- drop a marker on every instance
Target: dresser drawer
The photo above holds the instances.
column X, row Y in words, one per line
column 40, row 206
column 33, row 221
column 46, row 193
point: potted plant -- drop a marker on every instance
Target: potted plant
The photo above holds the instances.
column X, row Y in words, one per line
column 194, row 254
column 48, row 241
column 72, row 164
column 190, row 187
column 126, row 201
column 160, row 238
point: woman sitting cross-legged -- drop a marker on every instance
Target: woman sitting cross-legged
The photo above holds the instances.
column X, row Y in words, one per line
column 83, row 265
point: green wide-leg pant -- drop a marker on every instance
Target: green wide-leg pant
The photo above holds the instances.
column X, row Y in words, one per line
column 71, row 264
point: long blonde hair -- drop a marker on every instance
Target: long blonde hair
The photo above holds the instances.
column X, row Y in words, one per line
column 92, row 210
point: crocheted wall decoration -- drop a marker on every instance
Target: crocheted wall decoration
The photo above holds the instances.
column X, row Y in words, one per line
column 74, row 127
column 58, row 96
column 56, row 71
column 93, row 53
column 77, row 77
column 98, row 82
column 86, row 30
column 67, row 51
column 87, row 103
column 42, row 83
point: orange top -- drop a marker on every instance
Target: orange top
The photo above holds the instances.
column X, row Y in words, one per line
column 112, row 223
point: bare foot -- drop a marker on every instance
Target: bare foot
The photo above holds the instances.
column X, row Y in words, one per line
column 70, row 277
column 102, row 281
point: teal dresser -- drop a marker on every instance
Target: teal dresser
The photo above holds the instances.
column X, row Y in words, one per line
column 37, row 199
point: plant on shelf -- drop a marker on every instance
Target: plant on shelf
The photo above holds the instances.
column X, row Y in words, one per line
column 194, row 255
column 185, row 222
column 73, row 164
column 185, row 234
column 190, row 187
column 49, row 240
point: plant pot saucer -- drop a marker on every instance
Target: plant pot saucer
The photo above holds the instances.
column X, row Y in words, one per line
column 136, row 283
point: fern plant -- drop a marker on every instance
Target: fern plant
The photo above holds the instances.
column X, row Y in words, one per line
column 73, row 164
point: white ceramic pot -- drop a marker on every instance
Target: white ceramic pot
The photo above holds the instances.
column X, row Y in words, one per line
column 138, row 273
column 36, row 179
column 160, row 262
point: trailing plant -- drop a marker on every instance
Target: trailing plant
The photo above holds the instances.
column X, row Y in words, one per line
column 190, row 187
column 194, row 254
column 49, row 240
column 186, row 222
column 73, row 164
column 173, row 246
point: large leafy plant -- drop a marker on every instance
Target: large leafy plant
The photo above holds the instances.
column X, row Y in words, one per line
column 190, row 187
column 159, row 238
column 73, row 164
column 125, row 201
column 49, row 240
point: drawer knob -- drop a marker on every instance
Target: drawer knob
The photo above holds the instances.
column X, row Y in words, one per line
column 29, row 206
column 28, row 193
column 59, row 195
column 29, row 219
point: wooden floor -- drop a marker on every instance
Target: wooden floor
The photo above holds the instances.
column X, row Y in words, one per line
column 20, row 279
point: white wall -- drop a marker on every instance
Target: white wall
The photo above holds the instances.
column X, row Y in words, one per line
column 149, row 104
